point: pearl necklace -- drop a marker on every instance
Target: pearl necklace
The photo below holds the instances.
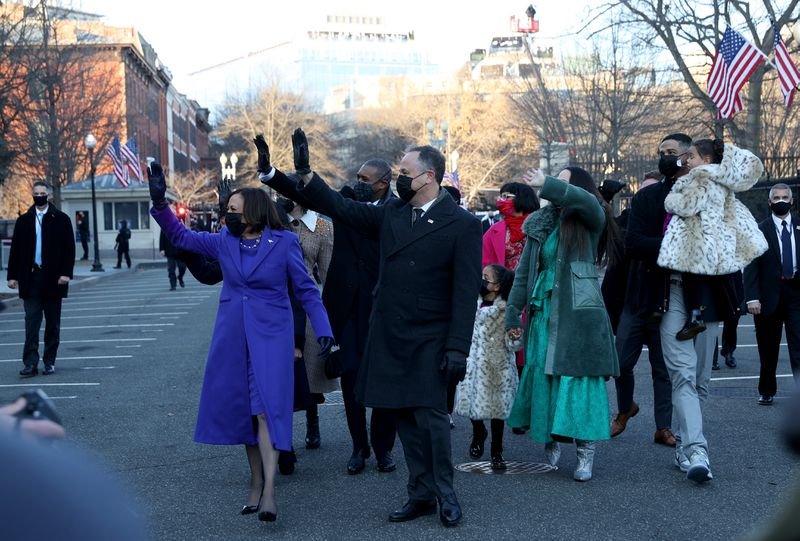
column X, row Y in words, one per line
column 253, row 247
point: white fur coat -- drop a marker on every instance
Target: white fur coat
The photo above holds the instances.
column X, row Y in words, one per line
column 489, row 388
column 711, row 232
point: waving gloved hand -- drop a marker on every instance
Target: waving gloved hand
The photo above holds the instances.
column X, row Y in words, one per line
column 263, row 154
column 223, row 193
column 454, row 366
column 158, row 185
column 300, row 148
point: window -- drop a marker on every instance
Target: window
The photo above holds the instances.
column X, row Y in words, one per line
column 136, row 213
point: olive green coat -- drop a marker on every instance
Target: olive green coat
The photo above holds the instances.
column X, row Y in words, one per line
column 580, row 341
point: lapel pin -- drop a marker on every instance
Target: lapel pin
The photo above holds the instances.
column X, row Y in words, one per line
column 430, row 221
column 269, row 240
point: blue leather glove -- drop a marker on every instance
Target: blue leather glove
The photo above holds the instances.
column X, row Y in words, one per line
column 454, row 366
column 158, row 185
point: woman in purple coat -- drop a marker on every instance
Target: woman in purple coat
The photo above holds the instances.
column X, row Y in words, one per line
column 248, row 385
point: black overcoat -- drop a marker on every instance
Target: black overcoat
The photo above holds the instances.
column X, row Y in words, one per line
column 424, row 302
column 58, row 251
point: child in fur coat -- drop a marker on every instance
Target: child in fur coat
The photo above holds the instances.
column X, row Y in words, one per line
column 490, row 385
column 708, row 231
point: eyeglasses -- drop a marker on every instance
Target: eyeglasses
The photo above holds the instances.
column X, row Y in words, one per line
column 506, row 195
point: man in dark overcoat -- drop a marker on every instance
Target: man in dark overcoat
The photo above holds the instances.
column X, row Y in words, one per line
column 347, row 297
column 422, row 318
column 40, row 265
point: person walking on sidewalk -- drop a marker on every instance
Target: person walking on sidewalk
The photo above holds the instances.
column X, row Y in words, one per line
column 122, row 245
column 40, row 265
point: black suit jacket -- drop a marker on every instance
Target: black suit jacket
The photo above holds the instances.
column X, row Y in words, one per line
column 762, row 277
column 352, row 274
column 424, row 302
column 58, row 251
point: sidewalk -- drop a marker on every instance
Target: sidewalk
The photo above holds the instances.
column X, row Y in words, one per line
column 82, row 273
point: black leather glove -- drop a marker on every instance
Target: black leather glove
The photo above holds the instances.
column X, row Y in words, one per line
column 300, row 148
column 158, row 185
column 223, row 192
column 454, row 366
column 263, row 154
column 326, row 344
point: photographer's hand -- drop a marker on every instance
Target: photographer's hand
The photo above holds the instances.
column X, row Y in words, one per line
column 41, row 429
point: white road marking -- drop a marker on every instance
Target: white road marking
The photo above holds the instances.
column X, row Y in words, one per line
column 176, row 305
column 132, row 296
column 62, row 397
column 736, row 378
column 120, row 326
column 97, row 367
column 77, row 358
column 86, row 341
column 123, row 315
column 50, row 385
column 134, row 346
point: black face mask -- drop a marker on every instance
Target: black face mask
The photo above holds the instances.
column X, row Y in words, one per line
column 233, row 221
column 286, row 204
column 404, row 189
column 40, row 200
column 363, row 192
column 485, row 288
column 669, row 166
column 781, row 208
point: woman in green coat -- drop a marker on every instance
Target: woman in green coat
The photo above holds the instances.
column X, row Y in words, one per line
column 569, row 343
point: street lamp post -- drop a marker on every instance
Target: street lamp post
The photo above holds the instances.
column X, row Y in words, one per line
column 90, row 143
column 438, row 143
column 228, row 171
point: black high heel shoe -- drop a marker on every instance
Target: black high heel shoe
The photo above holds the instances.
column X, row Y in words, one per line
column 478, row 439
column 250, row 509
column 266, row 516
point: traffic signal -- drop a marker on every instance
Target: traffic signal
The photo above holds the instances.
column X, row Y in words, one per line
column 181, row 211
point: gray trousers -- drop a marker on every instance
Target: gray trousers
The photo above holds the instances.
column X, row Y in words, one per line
column 689, row 367
column 425, row 435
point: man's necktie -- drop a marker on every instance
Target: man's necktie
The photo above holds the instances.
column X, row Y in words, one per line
column 416, row 215
column 37, row 258
column 786, row 251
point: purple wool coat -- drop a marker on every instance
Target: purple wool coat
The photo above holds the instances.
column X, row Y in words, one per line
column 254, row 318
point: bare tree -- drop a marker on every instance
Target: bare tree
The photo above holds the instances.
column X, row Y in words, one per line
column 195, row 187
column 689, row 31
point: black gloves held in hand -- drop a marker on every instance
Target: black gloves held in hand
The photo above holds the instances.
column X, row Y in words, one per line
column 158, row 185
column 326, row 344
column 300, row 148
column 263, row 154
column 454, row 366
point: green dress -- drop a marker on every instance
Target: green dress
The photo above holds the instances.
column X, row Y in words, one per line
column 572, row 407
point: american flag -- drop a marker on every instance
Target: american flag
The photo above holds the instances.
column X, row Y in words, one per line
column 132, row 159
column 788, row 75
column 452, row 178
column 120, row 171
column 734, row 63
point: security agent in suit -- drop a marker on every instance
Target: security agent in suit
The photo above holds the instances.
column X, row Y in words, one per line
column 347, row 296
column 40, row 264
column 772, row 291
column 422, row 317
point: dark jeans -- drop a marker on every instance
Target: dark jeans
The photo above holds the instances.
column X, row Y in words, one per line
column 85, row 245
column 172, row 262
column 36, row 307
column 633, row 333
column 768, row 336
column 381, row 425
column 425, row 435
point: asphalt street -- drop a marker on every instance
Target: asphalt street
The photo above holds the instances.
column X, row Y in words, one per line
column 128, row 378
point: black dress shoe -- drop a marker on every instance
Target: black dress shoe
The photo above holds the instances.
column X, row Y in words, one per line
column 498, row 462
column 730, row 362
column 267, row 516
column 48, row 370
column 519, row 431
column 286, row 461
column 413, row 509
column 28, row 371
column 357, row 462
column 313, row 439
column 386, row 463
column 479, row 435
column 765, row 400
column 449, row 511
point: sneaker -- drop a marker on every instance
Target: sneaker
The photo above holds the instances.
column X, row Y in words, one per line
column 699, row 470
column 681, row 460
